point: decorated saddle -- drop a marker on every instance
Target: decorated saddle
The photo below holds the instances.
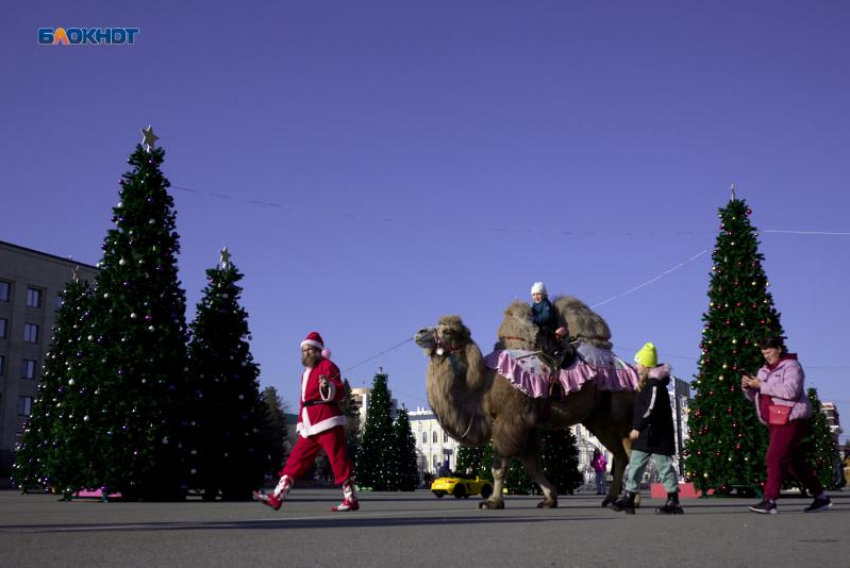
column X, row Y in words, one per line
column 530, row 373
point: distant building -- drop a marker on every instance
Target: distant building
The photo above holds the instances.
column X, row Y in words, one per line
column 434, row 448
column 830, row 410
column 31, row 284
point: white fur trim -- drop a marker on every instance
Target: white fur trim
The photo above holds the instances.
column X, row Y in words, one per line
column 312, row 343
column 305, row 376
column 305, row 429
column 651, row 402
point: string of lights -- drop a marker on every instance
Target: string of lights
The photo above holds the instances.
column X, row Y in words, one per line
column 665, row 273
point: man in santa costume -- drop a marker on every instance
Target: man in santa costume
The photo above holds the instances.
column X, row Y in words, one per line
column 320, row 426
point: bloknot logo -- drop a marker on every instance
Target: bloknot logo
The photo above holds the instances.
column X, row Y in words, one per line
column 87, row 36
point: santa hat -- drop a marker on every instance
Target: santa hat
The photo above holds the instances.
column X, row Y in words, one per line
column 315, row 340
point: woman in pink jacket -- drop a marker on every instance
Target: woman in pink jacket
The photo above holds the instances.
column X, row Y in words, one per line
column 780, row 383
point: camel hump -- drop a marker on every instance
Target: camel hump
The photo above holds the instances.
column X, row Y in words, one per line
column 582, row 322
column 517, row 331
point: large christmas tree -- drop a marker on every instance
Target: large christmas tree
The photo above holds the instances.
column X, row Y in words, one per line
column 405, row 445
column 140, row 339
column 47, row 456
column 727, row 442
column 225, row 445
column 376, row 465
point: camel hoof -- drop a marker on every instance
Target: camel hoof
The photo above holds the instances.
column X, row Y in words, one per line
column 488, row 505
column 547, row 504
column 607, row 501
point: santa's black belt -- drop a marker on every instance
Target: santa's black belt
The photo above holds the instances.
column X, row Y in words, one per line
column 315, row 402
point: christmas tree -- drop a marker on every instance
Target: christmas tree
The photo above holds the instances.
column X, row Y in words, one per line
column 476, row 460
column 559, row 460
column 405, row 445
column 225, row 443
column 727, row 442
column 376, row 464
column 47, row 455
column 276, row 442
column 140, row 340
column 351, row 409
column 819, row 446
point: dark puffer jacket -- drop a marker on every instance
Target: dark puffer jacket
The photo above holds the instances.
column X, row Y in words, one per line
column 653, row 416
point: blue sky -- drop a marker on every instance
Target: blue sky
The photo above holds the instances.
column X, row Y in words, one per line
column 374, row 165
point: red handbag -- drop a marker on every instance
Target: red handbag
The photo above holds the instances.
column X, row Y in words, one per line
column 777, row 415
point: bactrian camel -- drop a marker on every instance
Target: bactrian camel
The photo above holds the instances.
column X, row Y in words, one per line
column 476, row 405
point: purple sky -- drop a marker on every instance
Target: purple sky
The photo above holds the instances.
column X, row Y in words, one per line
column 426, row 158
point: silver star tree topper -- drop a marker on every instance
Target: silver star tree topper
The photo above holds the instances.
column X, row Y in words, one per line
column 732, row 189
column 225, row 258
column 149, row 138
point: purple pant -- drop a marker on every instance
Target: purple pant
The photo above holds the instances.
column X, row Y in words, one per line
column 784, row 456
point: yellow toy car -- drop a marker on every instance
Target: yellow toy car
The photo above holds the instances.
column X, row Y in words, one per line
column 461, row 487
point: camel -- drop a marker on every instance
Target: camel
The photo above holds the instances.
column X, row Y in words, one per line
column 476, row 405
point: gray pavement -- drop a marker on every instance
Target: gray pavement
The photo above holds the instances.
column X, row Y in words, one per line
column 410, row 530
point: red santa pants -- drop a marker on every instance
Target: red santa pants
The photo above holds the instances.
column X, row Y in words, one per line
column 305, row 450
column 784, row 456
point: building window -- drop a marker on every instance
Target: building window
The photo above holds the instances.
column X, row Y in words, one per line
column 424, row 437
column 28, row 369
column 31, row 333
column 434, row 438
column 34, row 297
column 445, row 438
column 3, row 324
column 2, row 365
column 24, row 405
column 5, row 291
column 436, row 462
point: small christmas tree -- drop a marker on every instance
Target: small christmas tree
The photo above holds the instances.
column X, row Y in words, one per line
column 46, row 456
column 276, row 442
column 559, row 460
column 227, row 412
column 477, row 460
column 819, row 446
column 405, row 444
column 376, row 464
column 351, row 409
column 727, row 442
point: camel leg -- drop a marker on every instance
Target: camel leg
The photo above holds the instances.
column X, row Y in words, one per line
column 500, row 474
column 531, row 462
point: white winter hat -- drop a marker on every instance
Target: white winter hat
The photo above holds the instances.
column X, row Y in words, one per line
column 538, row 288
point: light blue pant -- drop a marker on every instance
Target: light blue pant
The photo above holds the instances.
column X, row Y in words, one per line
column 664, row 465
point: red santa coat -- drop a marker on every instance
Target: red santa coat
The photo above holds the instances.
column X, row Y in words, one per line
column 315, row 418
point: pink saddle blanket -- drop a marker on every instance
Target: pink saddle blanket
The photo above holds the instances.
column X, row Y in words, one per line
column 530, row 374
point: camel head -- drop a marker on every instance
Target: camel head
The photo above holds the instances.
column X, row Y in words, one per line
column 449, row 336
column 452, row 341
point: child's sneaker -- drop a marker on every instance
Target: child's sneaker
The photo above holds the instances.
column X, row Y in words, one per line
column 765, row 508
column 268, row 500
column 818, row 505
